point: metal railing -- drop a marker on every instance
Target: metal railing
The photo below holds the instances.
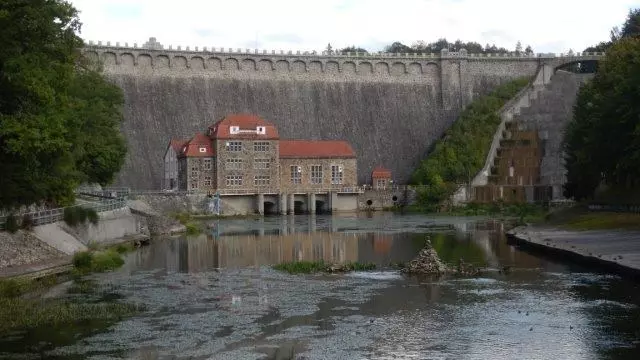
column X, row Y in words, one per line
column 125, row 192
column 50, row 216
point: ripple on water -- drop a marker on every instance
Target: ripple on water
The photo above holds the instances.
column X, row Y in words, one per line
column 376, row 275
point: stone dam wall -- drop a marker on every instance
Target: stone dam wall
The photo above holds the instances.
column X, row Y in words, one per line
column 390, row 109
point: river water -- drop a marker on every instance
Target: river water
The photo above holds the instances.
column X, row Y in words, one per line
column 214, row 296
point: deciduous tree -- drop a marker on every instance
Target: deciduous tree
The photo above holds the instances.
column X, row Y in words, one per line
column 53, row 111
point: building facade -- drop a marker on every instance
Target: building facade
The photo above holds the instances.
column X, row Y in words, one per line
column 243, row 153
column 170, row 179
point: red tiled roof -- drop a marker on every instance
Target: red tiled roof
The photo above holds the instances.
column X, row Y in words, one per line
column 192, row 147
column 380, row 172
column 177, row 144
column 248, row 123
column 315, row 149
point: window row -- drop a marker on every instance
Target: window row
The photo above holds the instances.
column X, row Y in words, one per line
column 207, row 182
column 259, row 146
column 258, row 180
column 238, row 164
column 337, row 174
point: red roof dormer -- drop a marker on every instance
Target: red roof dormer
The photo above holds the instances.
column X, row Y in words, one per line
column 243, row 126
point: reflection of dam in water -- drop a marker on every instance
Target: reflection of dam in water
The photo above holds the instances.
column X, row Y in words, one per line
column 247, row 243
column 206, row 252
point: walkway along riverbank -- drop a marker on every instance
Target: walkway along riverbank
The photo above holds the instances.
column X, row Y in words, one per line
column 616, row 251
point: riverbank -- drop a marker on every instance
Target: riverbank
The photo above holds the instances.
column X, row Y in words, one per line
column 617, row 251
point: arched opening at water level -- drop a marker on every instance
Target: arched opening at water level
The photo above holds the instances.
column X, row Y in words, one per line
column 321, row 207
column 299, row 208
column 270, row 208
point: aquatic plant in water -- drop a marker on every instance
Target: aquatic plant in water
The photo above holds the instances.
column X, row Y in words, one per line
column 309, row 267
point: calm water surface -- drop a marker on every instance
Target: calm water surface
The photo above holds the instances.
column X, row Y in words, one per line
column 214, row 296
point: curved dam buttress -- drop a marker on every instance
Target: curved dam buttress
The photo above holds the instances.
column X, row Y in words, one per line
column 390, row 109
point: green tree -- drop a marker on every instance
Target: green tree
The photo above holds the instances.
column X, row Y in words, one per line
column 602, row 142
column 630, row 28
column 42, row 86
column 353, row 49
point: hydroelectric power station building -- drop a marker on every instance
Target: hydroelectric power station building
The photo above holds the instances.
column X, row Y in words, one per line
column 242, row 159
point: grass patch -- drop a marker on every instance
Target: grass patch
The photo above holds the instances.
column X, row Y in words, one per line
column 193, row 228
column 310, row 267
column 96, row 261
column 522, row 212
column 603, row 221
column 18, row 313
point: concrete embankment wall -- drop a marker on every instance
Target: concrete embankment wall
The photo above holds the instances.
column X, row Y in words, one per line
column 617, row 251
column 51, row 245
column 390, row 109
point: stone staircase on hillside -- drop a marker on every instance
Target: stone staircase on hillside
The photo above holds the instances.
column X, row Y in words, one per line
column 528, row 164
column 548, row 115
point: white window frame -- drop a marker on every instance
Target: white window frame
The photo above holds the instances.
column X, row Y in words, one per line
column 234, row 130
column 202, row 149
column 262, row 180
column 296, row 174
column 207, row 181
column 316, row 174
column 206, row 164
column 234, row 146
column 262, row 164
column 233, row 180
column 337, row 174
column 233, row 164
column 261, row 146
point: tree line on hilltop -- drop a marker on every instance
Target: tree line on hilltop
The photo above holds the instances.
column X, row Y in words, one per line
column 59, row 118
column 422, row 47
column 602, row 141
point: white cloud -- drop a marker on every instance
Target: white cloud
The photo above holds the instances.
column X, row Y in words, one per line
column 547, row 25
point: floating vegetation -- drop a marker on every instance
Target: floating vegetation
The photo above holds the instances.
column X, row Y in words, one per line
column 309, row 267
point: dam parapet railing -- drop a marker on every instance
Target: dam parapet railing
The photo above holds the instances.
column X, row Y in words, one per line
column 325, row 54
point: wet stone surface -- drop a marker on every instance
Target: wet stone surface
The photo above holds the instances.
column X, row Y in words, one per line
column 214, row 296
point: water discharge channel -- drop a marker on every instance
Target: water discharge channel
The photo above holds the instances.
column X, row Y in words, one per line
column 215, row 296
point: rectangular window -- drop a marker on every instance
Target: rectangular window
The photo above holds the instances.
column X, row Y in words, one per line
column 234, row 146
column 336, row 174
column 233, row 164
column 316, row 174
column 194, row 185
column 381, row 184
column 207, row 181
column 261, row 180
column 194, row 174
column 296, row 174
column 206, row 165
column 262, row 146
column 234, row 180
column 194, row 166
column 261, row 164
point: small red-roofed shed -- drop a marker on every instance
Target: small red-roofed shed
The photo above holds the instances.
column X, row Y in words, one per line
column 380, row 178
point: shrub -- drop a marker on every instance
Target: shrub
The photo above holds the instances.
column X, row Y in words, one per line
column 76, row 215
column 82, row 260
column 106, row 260
column 11, row 224
column 27, row 222
column 92, row 216
column 192, row 228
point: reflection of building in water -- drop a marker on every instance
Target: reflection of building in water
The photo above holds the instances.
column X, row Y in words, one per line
column 248, row 250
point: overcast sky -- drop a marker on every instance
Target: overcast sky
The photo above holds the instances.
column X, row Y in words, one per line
column 546, row 25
